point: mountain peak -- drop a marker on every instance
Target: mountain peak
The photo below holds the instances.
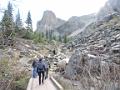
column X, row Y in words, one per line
column 48, row 14
column 49, row 21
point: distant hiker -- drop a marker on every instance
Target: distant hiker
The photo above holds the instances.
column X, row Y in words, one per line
column 54, row 52
column 34, row 69
column 47, row 66
column 41, row 70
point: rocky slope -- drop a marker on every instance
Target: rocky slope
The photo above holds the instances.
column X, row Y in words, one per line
column 112, row 6
column 75, row 23
column 48, row 22
column 96, row 60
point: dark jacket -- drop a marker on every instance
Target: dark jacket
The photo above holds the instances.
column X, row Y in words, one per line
column 40, row 66
column 34, row 64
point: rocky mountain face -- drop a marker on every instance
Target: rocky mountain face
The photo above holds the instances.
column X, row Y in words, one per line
column 96, row 60
column 48, row 22
column 111, row 7
column 75, row 23
column 97, row 56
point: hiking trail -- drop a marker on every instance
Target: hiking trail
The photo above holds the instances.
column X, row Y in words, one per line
column 34, row 85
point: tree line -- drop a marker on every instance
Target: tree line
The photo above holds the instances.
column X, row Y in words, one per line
column 10, row 28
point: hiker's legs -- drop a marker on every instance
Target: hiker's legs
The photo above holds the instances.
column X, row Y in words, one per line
column 43, row 76
column 46, row 73
column 39, row 77
column 34, row 73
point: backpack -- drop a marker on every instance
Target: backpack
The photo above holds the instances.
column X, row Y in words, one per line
column 40, row 67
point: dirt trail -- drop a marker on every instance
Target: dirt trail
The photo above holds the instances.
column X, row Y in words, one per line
column 33, row 85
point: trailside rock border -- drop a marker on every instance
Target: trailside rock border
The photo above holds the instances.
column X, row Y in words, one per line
column 56, row 83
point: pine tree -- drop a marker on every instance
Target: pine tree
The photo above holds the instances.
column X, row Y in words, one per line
column 7, row 23
column 54, row 37
column 47, row 34
column 50, row 35
column 40, row 37
column 7, row 28
column 29, row 21
column 18, row 21
column 60, row 38
column 65, row 39
column 43, row 35
column 29, row 32
column 10, row 10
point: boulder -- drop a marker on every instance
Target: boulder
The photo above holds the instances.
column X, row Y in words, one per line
column 115, row 48
column 74, row 65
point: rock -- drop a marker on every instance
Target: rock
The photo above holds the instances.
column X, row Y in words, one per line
column 91, row 56
column 102, row 42
column 115, row 48
column 61, row 65
column 48, row 22
column 10, row 52
column 99, row 47
column 111, row 7
column 74, row 64
column 104, row 68
column 117, row 37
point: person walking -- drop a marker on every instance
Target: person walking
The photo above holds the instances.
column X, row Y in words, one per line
column 47, row 66
column 34, row 69
column 41, row 70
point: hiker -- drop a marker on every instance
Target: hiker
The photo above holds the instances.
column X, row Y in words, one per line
column 47, row 66
column 34, row 69
column 54, row 52
column 41, row 70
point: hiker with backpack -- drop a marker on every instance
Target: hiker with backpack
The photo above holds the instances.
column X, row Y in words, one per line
column 34, row 69
column 41, row 70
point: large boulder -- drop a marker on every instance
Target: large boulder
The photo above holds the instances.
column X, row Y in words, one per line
column 74, row 65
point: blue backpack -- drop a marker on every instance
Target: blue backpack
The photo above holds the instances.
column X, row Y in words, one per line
column 40, row 67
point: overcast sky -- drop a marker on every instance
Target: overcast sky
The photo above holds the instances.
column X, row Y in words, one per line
column 63, row 9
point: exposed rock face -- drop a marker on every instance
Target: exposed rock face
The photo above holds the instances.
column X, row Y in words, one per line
column 112, row 6
column 100, row 47
column 75, row 23
column 48, row 22
column 115, row 4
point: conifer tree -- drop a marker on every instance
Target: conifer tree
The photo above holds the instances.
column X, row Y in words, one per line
column 65, row 39
column 29, row 21
column 18, row 21
column 7, row 22
column 7, row 28
column 60, row 38
column 10, row 9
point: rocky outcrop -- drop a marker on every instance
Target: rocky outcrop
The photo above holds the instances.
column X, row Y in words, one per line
column 98, row 48
column 75, row 23
column 111, row 7
column 48, row 22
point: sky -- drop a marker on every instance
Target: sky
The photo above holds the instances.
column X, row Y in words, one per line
column 63, row 9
